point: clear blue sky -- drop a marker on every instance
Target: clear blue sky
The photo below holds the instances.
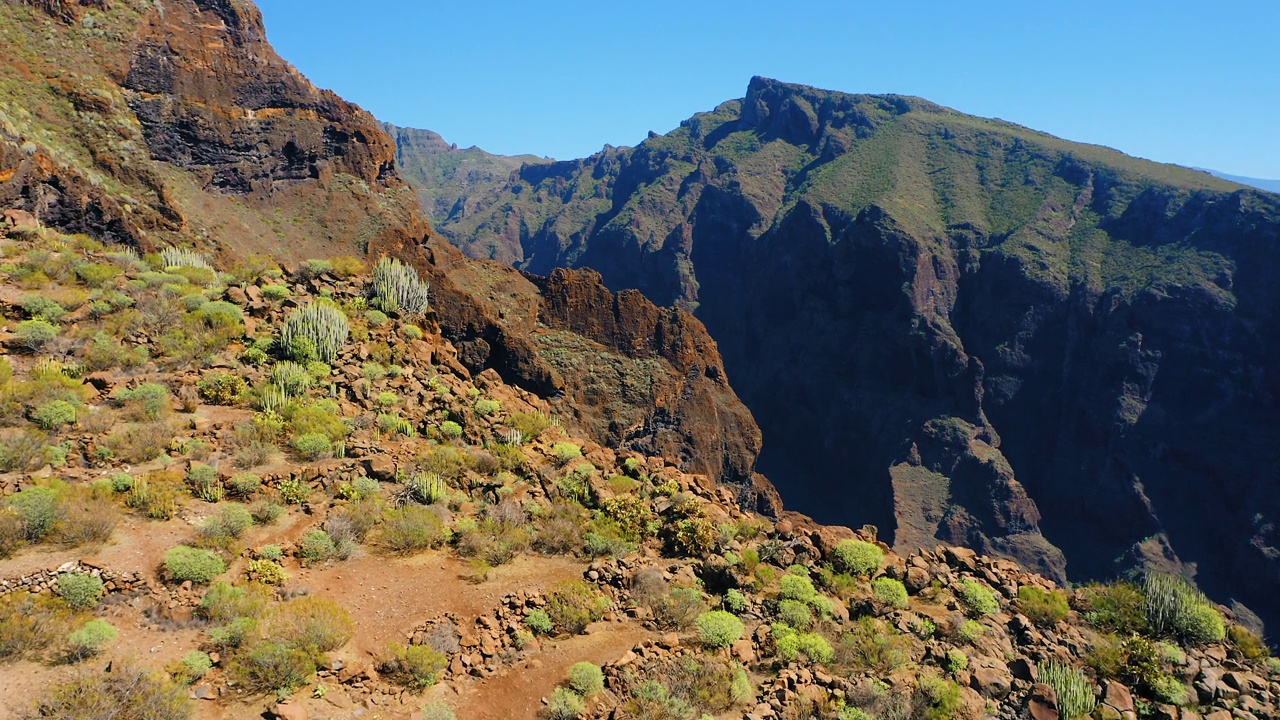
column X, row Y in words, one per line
column 1185, row 81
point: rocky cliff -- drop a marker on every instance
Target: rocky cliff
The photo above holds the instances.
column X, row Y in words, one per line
column 1044, row 350
column 176, row 123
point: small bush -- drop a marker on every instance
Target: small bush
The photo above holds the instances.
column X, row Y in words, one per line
column 91, row 638
column 1073, row 689
column 1044, row 607
column 80, row 590
column 412, row 529
column 937, row 699
column 791, row 643
column 187, row 563
column 540, row 622
column 41, row 308
column 244, row 485
column 956, row 661
column 192, row 666
column 413, row 666
column 311, row 622
column 316, row 546
column 977, row 598
column 718, row 628
column 53, row 415
column 124, row 693
column 858, row 557
column 486, row 407
column 890, row 592
column 565, row 704
column 1250, row 645
column 265, row 512
column 35, row 334
column 312, row 446
column 565, row 452
column 574, row 604
column 585, row 678
column 221, row 388
column 268, row 667
column 40, row 508
column 121, row 482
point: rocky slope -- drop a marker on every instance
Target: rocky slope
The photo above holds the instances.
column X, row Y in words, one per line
column 176, row 123
column 1043, row 350
column 390, row 534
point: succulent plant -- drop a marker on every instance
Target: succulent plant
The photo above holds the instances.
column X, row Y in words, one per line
column 183, row 257
column 318, row 328
column 397, row 288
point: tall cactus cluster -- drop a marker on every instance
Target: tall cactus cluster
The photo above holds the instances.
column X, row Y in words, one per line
column 314, row 332
column 1073, row 689
column 397, row 288
column 183, row 257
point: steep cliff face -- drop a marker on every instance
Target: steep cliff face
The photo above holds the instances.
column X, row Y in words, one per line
column 175, row 122
column 185, row 124
column 957, row 328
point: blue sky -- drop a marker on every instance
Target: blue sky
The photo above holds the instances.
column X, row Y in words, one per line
column 1181, row 81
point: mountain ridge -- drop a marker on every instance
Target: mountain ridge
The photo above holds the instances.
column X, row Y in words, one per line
column 973, row 251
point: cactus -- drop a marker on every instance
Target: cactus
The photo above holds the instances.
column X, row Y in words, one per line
column 292, row 378
column 513, row 437
column 426, row 489
column 318, row 328
column 1074, row 691
column 397, row 288
column 183, row 257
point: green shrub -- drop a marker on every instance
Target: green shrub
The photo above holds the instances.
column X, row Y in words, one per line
column 121, row 482
column 412, row 529
column 970, row 630
column 314, row 332
column 790, row 644
column 585, row 678
column 451, row 429
column 413, row 666
column 269, row 667
column 40, row 508
column 275, row 292
column 268, row 572
column 977, row 598
column 797, row 587
column 35, row 334
column 41, row 308
column 1250, row 645
column 939, row 699
column 316, row 546
column 574, row 604
column 890, row 592
column 194, row 665
column 858, row 557
column 125, row 692
column 565, row 452
column 80, row 590
column 1073, row 689
column 311, row 622
column 396, row 287
column 244, row 485
column 956, row 661
column 412, row 332
column 486, row 407
column 265, row 512
column 194, row 564
column 53, row 415
column 91, row 638
column 221, row 388
column 1174, row 606
column 313, row 446
column 1044, row 607
column 795, row 613
column 151, row 400
column 204, row 482
column 735, row 601
column 1117, row 607
column 540, row 622
column 718, row 628
column 565, row 704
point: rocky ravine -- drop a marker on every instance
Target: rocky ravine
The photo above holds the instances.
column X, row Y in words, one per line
column 178, row 124
column 1043, row 350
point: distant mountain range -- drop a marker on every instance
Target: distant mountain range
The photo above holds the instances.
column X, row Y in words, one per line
column 1268, row 185
column 954, row 328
